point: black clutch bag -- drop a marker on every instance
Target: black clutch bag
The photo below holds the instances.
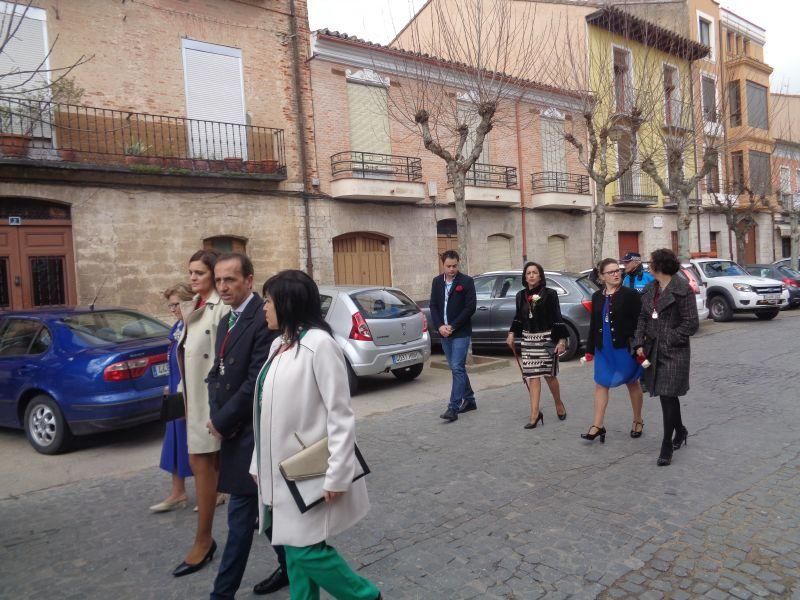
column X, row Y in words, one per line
column 172, row 407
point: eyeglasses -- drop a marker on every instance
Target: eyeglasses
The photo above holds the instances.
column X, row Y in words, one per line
column 612, row 273
column 173, row 305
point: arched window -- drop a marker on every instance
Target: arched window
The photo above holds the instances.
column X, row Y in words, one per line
column 499, row 252
column 226, row 243
column 556, row 253
column 362, row 259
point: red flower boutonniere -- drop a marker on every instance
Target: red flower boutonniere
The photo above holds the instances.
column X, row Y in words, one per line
column 459, row 288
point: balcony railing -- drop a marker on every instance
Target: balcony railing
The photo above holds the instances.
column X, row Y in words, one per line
column 634, row 190
column 553, row 181
column 369, row 165
column 494, row 176
column 102, row 136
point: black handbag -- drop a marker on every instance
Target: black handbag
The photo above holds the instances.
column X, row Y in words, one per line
column 172, row 407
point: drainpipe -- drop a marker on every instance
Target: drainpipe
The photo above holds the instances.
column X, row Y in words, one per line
column 521, row 179
column 297, row 82
column 694, row 145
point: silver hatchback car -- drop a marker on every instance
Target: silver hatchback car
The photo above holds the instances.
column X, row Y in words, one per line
column 379, row 329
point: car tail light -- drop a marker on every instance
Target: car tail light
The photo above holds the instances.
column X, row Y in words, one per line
column 790, row 282
column 587, row 304
column 424, row 324
column 131, row 369
column 360, row 329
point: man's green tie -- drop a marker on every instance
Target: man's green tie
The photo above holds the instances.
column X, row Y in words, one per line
column 232, row 317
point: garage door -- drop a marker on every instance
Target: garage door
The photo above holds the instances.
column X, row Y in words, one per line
column 499, row 253
column 556, row 253
column 361, row 259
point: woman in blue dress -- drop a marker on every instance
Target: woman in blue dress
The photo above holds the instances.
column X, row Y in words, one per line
column 615, row 312
column 174, row 452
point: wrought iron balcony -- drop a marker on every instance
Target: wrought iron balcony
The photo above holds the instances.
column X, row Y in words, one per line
column 634, row 190
column 554, row 181
column 49, row 131
column 370, row 165
column 493, row 176
column 670, row 203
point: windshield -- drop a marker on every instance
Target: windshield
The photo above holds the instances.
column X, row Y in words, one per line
column 112, row 326
column 384, row 304
column 722, row 268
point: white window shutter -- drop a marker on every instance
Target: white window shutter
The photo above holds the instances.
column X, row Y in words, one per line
column 553, row 152
column 214, row 101
column 369, row 118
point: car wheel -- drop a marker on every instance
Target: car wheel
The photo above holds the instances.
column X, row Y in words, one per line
column 45, row 426
column 720, row 309
column 767, row 315
column 408, row 373
column 352, row 379
column 572, row 345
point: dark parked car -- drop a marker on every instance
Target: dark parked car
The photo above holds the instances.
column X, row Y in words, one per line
column 74, row 371
column 789, row 277
column 496, row 292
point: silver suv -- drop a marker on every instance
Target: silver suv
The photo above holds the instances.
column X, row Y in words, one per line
column 379, row 329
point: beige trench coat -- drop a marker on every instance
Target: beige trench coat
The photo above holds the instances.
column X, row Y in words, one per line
column 306, row 392
column 196, row 358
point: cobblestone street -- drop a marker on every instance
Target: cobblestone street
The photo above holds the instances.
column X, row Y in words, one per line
column 481, row 508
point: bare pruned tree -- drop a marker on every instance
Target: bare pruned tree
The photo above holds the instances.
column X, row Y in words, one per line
column 621, row 94
column 463, row 70
column 29, row 87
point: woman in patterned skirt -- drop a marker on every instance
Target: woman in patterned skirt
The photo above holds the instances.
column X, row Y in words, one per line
column 539, row 324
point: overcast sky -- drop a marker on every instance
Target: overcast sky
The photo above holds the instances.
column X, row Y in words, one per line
column 379, row 20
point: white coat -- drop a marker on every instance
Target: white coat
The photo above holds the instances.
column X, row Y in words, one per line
column 305, row 392
column 196, row 358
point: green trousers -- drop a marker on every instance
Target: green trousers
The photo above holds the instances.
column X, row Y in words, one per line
column 320, row 566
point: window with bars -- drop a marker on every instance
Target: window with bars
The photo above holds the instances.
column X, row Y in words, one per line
column 5, row 296
column 48, row 286
column 225, row 243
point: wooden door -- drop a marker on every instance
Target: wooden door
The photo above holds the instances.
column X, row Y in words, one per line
column 750, row 246
column 674, row 239
column 628, row 241
column 37, row 266
column 361, row 259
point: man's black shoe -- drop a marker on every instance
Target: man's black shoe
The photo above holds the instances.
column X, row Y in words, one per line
column 273, row 583
column 449, row 415
column 466, row 407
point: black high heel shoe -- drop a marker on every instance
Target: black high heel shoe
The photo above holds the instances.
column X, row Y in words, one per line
column 186, row 569
column 634, row 433
column 680, row 438
column 601, row 431
column 540, row 418
column 562, row 417
column 665, row 458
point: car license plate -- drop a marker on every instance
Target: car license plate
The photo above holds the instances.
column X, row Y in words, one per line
column 405, row 357
column 772, row 296
column 161, row 370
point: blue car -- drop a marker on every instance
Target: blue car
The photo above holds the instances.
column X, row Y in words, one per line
column 73, row 371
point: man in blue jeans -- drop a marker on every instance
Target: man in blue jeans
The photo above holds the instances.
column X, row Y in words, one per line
column 452, row 306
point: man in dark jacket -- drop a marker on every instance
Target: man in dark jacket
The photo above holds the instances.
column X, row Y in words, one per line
column 452, row 305
column 242, row 347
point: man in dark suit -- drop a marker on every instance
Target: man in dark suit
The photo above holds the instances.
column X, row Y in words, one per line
column 242, row 348
column 452, row 305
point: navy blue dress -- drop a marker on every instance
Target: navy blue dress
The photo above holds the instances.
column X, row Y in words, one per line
column 175, row 452
column 614, row 366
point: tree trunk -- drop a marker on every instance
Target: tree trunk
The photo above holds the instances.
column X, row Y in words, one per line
column 795, row 237
column 462, row 220
column 740, row 233
column 684, row 222
column 599, row 223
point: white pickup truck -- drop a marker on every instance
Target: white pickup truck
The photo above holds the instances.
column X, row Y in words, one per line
column 731, row 289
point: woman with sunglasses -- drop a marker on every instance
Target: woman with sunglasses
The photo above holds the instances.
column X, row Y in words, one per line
column 615, row 313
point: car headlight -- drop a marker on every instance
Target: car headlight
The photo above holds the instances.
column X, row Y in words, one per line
column 743, row 287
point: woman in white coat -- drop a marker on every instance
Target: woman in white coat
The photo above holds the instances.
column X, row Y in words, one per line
column 202, row 316
column 302, row 394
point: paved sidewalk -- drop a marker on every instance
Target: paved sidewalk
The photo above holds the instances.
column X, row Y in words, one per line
column 484, row 509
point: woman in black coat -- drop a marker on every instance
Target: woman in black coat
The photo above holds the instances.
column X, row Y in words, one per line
column 667, row 320
column 544, row 336
column 615, row 313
